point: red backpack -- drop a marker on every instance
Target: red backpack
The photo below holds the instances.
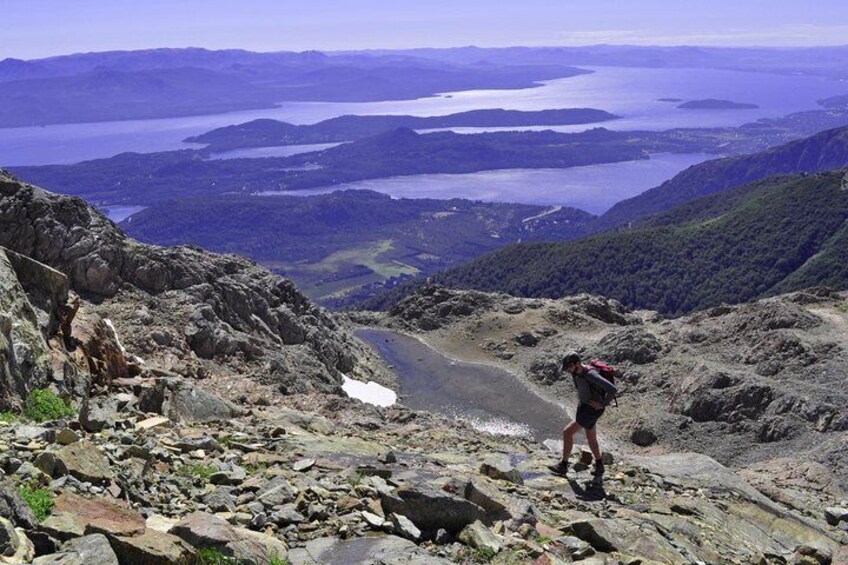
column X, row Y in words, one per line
column 606, row 371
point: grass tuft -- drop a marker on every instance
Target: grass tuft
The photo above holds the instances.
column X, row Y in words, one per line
column 43, row 404
column 39, row 499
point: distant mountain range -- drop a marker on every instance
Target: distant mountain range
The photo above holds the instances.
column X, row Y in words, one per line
column 156, row 83
column 830, row 62
column 159, row 83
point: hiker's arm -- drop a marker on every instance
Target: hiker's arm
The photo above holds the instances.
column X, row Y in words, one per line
column 598, row 381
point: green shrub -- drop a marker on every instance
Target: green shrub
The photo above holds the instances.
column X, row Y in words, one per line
column 355, row 479
column 212, row 556
column 43, row 404
column 198, row 470
column 8, row 417
column 39, row 499
column 484, row 554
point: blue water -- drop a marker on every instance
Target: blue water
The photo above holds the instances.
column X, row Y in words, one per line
column 629, row 92
column 276, row 151
column 119, row 213
column 488, row 397
column 594, row 188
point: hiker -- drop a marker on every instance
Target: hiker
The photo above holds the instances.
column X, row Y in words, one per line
column 594, row 393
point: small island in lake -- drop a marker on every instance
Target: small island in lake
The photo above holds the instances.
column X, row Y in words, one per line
column 669, row 99
column 713, row 104
column 273, row 133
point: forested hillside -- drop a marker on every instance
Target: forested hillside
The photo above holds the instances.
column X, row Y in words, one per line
column 333, row 244
column 824, row 151
column 777, row 235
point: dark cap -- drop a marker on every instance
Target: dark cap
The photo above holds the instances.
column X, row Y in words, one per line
column 570, row 358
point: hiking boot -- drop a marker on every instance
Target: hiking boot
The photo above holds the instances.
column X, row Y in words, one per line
column 561, row 468
column 599, row 468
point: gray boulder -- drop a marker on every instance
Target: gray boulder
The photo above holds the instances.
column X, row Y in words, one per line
column 433, row 306
column 201, row 529
column 479, row 536
column 185, row 402
column 430, row 509
column 636, row 345
column 498, row 466
column 102, row 412
column 498, row 505
column 15, row 547
column 642, row 434
column 546, row 369
column 276, row 492
column 381, row 549
column 779, row 350
column 14, row 507
column 93, row 549
column 774, row 314
column 84, row 461
column 603, row 309
column 152, row 548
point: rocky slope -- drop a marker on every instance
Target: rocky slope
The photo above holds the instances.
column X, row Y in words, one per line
column 328, row 480
column 149, row 465
column 744, row 384
column 194, row 313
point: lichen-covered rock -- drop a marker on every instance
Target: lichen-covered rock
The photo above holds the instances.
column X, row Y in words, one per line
column 546, row 369
column 603, row 309
column 479, row 536
column 92, row 549
column 24, row 353
column 433, row 306
column 84, row 461
column 636, row 345
column 152, row 548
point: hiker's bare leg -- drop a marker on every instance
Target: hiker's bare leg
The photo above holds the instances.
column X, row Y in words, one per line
column 568, row 439
column 592, row 440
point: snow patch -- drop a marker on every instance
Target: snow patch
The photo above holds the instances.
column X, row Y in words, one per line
column 115, row 335
column 370, row 392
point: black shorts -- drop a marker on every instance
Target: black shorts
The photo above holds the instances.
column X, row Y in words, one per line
column 587, row 416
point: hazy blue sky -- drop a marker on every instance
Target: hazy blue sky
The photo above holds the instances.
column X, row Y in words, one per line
column 38, row 28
